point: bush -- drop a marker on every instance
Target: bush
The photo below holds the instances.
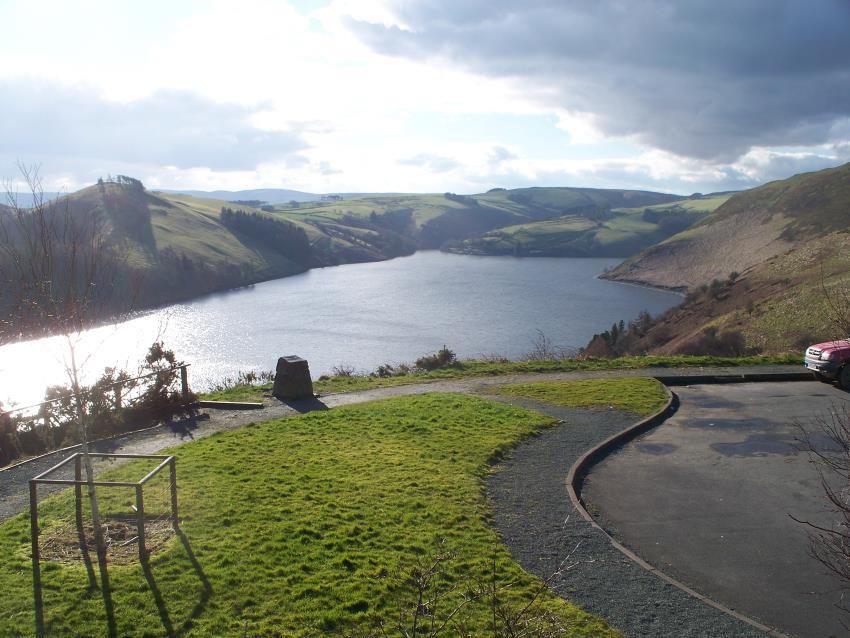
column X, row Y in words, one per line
column 113, row 404
column 443, row 358
column 713, row 343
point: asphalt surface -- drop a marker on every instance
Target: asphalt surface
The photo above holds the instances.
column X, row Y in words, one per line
column 543, row 531
column 706, row 497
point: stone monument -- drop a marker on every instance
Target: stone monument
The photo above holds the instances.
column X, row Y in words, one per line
column 292, row 379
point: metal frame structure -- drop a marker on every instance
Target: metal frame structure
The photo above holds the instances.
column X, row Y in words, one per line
column 79, row 482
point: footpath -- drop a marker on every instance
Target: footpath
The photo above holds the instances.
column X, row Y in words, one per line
column 14, row 487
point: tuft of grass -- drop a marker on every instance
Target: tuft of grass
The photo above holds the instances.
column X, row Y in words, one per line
column 638, row 395
column 299, row 525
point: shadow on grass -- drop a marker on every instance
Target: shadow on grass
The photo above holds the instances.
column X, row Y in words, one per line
column 308, row 404
column 197, row 610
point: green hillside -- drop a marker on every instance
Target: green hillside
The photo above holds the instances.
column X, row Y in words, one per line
column 179, row 246
column 769, row 271
column 593, row 231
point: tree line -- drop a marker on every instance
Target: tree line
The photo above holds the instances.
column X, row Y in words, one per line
column 282, row 236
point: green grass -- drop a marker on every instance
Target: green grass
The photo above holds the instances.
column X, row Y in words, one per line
column 300, row 524
column 635, row 394
column 476, row 368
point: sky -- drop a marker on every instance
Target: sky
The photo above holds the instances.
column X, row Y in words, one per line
column 330, row 96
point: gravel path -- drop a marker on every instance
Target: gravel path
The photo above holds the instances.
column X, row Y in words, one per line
column 533, row 513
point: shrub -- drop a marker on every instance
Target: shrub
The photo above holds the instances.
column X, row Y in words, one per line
column 343, row 370
column 713, row 343
column 443, row 358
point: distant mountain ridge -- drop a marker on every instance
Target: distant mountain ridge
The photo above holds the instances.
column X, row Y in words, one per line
column 266, row 195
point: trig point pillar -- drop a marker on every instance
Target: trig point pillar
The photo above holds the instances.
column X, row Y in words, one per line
column 292, row 379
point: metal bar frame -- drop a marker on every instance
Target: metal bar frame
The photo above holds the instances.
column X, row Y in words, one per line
column 78, row 482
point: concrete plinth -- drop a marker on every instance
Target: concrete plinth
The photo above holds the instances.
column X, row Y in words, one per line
column 292, row 379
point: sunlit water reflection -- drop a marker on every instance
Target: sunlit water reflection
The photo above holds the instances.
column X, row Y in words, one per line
column 359, row 314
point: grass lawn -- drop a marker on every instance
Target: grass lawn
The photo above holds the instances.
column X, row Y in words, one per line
column 301, row 527
column 477, row 368
column 635, row 394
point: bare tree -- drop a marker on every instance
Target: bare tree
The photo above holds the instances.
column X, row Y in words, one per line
column 830, row 545
column 59, row 274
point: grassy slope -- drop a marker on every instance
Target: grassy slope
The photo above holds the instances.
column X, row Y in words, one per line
column 299, row 525
column 638, row 395
column 750, row 228
column 624, row 233
column 790, row 241
column 181, row 249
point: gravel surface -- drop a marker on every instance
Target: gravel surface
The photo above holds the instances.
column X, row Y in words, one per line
column 537, row 521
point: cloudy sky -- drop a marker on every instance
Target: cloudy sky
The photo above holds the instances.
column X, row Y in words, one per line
column 425, row 95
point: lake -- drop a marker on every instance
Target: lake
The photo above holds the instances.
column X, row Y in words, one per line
column 358, row 315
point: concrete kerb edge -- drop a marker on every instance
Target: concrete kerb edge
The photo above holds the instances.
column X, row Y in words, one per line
column 580, row 468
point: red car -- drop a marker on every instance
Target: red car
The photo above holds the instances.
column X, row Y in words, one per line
column 830, row 361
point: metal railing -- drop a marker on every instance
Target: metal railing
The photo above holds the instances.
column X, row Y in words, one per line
column 184, row 390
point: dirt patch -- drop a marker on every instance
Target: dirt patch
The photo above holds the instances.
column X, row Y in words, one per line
column 62, row 544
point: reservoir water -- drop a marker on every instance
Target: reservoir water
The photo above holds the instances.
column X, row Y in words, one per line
column 359, row 315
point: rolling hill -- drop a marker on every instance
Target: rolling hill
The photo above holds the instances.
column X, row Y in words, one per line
column 263, row 195
column 598, row 232
column 180, row 246
column 770, row 269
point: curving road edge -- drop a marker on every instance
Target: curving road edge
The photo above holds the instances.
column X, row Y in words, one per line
column 580, row 469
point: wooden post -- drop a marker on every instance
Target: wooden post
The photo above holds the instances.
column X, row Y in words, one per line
column 140, row 522
column 184, row 382
column 172, row 470
column 36, row 561
column 81, row 532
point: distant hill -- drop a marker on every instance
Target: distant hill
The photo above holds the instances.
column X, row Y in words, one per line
column 595, row 230
column 771, row 265
column 181, row 246
column 487, row 223
column 266, row 195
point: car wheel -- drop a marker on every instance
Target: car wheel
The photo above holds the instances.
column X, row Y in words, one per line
column 820, row 377
column 844, row 378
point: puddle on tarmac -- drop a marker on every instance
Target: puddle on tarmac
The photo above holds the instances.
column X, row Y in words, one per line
column 656, row 448
column 760, row 445
column 820, row 443
column 731, row 424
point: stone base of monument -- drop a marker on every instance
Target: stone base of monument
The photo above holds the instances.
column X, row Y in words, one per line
column 292, row 379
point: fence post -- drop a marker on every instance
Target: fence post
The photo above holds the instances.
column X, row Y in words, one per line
column 36, row 561
column 184, row 381
column 172, row 469
column 140, row 522
column 81, row 532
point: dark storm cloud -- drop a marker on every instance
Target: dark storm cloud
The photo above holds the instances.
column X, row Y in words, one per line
column 40, row 121
column 707, row 79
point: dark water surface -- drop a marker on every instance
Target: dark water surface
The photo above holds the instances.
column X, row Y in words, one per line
column 360, row 315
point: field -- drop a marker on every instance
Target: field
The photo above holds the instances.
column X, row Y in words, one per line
column 619, row 232
column 305, row 526
column 641, row 396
